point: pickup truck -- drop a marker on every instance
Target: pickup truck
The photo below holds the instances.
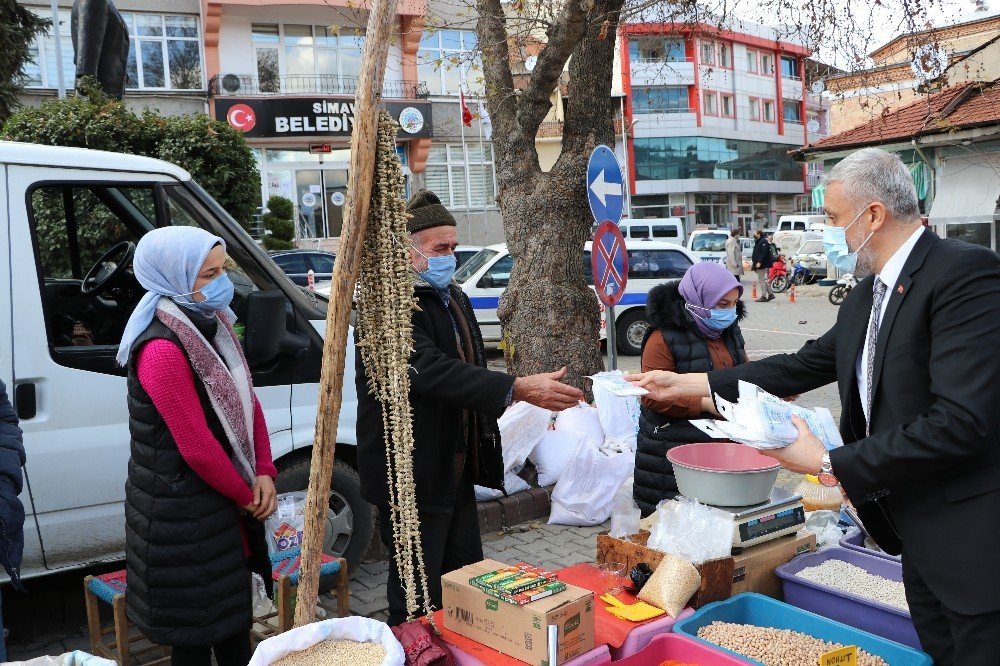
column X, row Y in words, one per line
column 71, row 217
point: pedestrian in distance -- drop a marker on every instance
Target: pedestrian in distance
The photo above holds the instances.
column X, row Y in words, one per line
column 200, row 476
column 11, row 510
column 911, row 353
column 734, row 254
column 694, row 327
column 455, row 401
column 761, row 261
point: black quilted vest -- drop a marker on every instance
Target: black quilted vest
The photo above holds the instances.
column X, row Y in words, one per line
column 188, row 582
column 654, row 475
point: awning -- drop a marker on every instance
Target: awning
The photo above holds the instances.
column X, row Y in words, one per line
column 817, row 196
column 921, row 178
column 966, row 193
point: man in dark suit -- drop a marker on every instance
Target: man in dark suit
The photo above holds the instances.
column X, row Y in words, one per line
column 913, row 352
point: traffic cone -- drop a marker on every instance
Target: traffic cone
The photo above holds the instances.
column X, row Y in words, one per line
column 791, row 294
column 754, row 294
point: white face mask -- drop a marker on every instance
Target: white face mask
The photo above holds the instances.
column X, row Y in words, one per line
column 835, row 245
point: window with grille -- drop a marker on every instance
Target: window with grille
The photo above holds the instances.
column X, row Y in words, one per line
column 461, row 180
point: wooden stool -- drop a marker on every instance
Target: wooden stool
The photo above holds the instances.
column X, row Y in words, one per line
column 110, row 589
column 285, row 573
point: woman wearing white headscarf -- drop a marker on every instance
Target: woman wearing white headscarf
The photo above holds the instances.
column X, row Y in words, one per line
column 200, row 478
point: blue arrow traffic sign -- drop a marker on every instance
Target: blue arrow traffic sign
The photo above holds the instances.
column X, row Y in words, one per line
column 605, row 185
column 609, row 263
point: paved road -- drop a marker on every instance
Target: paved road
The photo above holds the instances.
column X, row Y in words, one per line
column 775, row 327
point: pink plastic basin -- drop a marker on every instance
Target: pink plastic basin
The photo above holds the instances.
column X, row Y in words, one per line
column 723, row 473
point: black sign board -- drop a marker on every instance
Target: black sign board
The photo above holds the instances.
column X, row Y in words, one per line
column 302, row 117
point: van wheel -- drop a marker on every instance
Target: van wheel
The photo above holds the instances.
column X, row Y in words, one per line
column 350, row 522
column 631, row 329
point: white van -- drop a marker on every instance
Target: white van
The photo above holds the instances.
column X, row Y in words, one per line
column 486, row 275
column 669, row 229
column 709, row 244
column 73, row 218
column 792, row 230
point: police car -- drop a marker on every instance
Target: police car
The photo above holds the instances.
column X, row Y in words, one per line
column 485, row 276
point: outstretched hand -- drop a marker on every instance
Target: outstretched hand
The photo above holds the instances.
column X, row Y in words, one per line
column 665, row 386
column 546, row 390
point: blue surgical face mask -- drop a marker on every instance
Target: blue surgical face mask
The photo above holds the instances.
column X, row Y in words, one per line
column 439, row 270
column 720, row 319
column 218, row 295
column 835, row 246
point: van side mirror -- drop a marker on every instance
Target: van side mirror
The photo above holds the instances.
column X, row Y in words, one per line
column 486, row 282
column 267, row 333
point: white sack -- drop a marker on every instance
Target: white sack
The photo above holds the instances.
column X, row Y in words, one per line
column 361, row 629
column 552, row 454
column 581, row 420
column 583, row 494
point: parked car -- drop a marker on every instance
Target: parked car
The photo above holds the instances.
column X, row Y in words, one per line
column 709, row 245
column 297, row 263
column 812, row 257
column 650, row 263
column 465, row 252
column 74, row 293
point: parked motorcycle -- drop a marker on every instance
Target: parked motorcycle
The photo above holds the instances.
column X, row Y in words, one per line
column 777, row 275
column 802, row 274
column 843, row 287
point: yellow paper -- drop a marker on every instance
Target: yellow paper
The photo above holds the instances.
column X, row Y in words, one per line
column 846, row 656
column 639, row 612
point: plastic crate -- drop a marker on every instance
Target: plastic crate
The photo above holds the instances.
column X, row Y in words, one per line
column 854, row 540
column 878, row 618
column 756, row 609
column 681, row 648
column 641, row 635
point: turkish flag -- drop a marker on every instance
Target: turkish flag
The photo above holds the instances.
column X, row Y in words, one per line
column 466, row 112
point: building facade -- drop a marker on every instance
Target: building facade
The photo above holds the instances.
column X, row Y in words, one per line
column 967, row 50
column 285, row 73
column 710, row 116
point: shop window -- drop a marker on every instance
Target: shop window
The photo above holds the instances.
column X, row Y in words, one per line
column 669, row 158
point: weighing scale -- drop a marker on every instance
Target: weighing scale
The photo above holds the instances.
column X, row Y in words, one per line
column 782, row 514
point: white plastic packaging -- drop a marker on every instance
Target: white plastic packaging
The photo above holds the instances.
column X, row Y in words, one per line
column 361, row 629
column 691, row 530
column 583, row 495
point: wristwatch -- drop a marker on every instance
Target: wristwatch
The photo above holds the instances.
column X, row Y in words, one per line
column 825, row 475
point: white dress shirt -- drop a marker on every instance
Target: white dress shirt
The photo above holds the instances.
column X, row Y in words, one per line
column 889, row 277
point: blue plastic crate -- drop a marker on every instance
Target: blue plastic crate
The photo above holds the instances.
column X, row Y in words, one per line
column 756, row 609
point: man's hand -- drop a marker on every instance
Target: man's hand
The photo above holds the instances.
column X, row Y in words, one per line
column 265, row 498
column 804, row 455
column 546, row 391
column 665, row 386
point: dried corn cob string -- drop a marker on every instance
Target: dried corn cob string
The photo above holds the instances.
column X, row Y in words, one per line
column 385, row 302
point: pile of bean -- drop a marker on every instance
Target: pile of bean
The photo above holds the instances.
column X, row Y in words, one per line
column 335, row 653
column 851, row 578
column 776, row 647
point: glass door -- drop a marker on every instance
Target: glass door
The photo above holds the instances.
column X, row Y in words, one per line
column 335, row 191
column 310, row 219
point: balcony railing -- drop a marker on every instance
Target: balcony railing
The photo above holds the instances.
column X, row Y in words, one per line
column 813, row 178
column 228, row 85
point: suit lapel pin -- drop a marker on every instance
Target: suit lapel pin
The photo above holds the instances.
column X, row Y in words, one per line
column 900, row 289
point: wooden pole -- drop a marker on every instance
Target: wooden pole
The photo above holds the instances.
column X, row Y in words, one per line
column 381, row 23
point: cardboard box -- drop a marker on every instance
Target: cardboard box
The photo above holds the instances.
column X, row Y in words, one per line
column 518, row 631
column 750, row 571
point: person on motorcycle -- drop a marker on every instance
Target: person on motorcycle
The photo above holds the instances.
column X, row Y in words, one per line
column 761, row 261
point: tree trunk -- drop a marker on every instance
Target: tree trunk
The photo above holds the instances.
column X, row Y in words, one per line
column 549, row 314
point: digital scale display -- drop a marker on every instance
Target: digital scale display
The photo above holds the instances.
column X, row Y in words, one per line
column 755, row 528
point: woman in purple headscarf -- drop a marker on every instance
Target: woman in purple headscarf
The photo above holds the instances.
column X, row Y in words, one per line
column 693, row 328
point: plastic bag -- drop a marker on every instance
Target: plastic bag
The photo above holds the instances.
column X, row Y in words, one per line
column 361, row 629
column 625, row 513
column 672, row 585
column 582, row 420
column 522, row 426
column 584, row 492
column 824, row 524
column 691, row 530
column 552, row 454
column 512, row 483
column 284, row 527
column 619, row 416
column 74, row 658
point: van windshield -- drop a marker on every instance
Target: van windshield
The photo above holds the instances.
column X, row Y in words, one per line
column 709, row 243
column 472, row 266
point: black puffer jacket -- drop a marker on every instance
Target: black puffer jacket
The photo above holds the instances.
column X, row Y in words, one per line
column 11, row 483
column 187, row 574
column 761, row 254
column 442, row 387
column 654, row 475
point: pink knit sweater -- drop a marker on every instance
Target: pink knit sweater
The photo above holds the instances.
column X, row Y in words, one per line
column 167, row 377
